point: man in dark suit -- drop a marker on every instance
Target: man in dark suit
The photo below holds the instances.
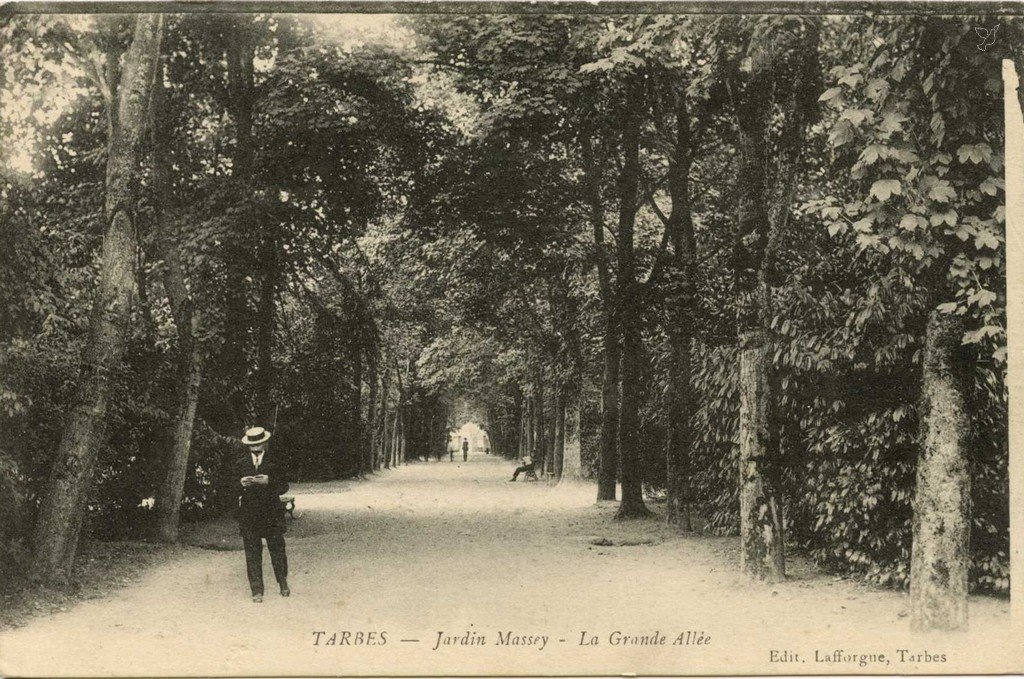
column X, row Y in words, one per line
column 260, row 512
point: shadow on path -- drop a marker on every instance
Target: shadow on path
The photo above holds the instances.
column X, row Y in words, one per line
column 453, row 548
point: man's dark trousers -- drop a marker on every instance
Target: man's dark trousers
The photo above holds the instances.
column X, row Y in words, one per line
column 253, row 543
column 525, row 468
column 261, row 517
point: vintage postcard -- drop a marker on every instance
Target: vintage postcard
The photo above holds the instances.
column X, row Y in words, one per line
column 510, row 339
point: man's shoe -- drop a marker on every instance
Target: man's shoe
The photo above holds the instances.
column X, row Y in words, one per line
column 257, row 598
column 284, row 589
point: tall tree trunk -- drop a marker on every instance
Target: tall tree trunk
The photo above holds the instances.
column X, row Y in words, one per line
column 521, row 428
column 238, row 254
column 680, row 324
column 762, row 553
column 572, row 457
column 558, row 448
column 540, row 440
column 400, row 417
column 382, row 452
column 371, row 419
column 531, row 407
column 761, row 525
column 608, row 472
column 941, row 555
column 263, row 402
column 186, row 321
column 762, row 218
column 680, row 436
column 608, row 469
column 512, row 439
column 392, row 449
column 355, row 441
column 628, row 313
column 64, row 505
column 402, row 437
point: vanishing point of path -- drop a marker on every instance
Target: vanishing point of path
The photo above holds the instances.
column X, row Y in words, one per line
column 453, row 547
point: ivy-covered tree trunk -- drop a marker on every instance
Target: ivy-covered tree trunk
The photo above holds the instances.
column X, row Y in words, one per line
column 762, row 546
column 187, row 323
column 762, row 552
column 941, row 557
column 64, row 504
column 608, row 462
column 628, row 313
column 763, row 214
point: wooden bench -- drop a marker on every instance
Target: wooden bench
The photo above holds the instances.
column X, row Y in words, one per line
column 289, row 504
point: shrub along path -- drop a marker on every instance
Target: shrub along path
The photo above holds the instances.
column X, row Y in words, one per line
column 454, row 548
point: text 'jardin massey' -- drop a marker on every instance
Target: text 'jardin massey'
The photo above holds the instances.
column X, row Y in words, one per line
column 541, row 641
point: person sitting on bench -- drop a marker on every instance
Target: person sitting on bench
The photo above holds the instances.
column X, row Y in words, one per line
column 526, row 467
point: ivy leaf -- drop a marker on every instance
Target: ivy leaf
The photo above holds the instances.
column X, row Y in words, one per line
column 892, row 121
column 991, row 186
column 850, row 80
column 986, row 239
column 912, row 222
column 947, row 217
column 842, row 133
column 884, row 188
column 877, row 89
column 857, row 115
column 863, row 225
column 982, row 298
column 836, row 227
column 976, row 153
column 830, row 94
column 873, row 152
column 942, row 192
column 964, row 232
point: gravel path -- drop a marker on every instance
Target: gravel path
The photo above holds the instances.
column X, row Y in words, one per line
column 453, row 548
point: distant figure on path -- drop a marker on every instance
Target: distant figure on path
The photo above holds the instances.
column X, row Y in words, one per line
column 260, row 511
column 465, row 449
column 527, row 468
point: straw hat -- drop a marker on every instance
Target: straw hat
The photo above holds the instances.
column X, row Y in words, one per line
column 255, row 436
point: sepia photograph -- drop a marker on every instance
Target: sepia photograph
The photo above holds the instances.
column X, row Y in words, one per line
column 511, row 339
